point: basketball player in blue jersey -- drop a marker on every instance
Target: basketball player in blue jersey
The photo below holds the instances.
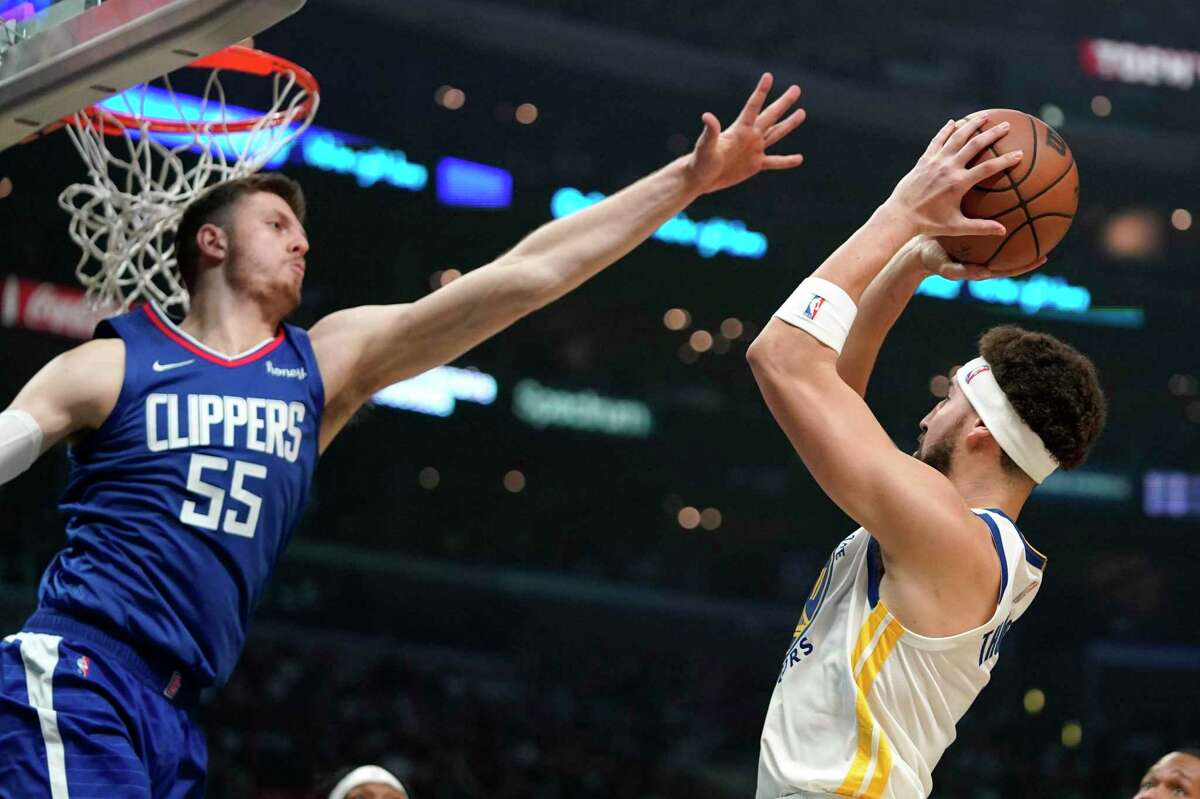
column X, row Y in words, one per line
column 907, row 618
column 193, row 447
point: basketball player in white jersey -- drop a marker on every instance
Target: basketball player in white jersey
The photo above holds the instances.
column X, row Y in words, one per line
column 908, row 616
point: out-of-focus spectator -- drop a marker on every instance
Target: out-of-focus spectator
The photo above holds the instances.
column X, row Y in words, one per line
column 1177, row 774
column 368, row 782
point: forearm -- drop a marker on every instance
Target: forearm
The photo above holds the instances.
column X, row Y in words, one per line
column 785, row 346
column 854, row 265
column 878, row 309
column 394, row 342
column 562, row 254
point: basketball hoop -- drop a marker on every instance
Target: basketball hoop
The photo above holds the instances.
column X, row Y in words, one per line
column 124, row 219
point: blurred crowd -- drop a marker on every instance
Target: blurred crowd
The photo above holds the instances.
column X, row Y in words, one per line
column 613, row 721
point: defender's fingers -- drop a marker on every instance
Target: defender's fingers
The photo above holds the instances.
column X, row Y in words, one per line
column 779, row 130
column 775, row 110
column 782, row 161
column 757, row 98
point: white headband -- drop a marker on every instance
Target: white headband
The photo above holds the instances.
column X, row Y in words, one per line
column 361, row 776
column 1018, row 441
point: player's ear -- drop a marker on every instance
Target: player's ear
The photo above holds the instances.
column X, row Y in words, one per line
column 212, row 241
column 978, row 433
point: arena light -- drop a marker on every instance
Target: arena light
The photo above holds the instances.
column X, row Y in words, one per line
column 688, row 518
column 1088, row 485
column 709, row 237
column 1048, row 296
column 1129, row 62
column 153, row 102
column 472, row 185
column 1052, row 115
column 1072, row 734
column 1172, row 494
column 676, row 319
column 1029, row 294
column 320, row 148
column 541, row 407
column 428, row 478
column 1134, row 234
column 330, row 152
column 437, row 392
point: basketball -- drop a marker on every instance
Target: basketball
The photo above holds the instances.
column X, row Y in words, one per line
column 1034, row 200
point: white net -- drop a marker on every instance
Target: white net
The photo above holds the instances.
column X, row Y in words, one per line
column 124, row 220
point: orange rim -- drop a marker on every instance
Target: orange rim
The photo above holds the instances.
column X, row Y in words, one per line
column 234, row 59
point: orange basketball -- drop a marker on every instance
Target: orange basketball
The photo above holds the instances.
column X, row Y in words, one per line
column 1034, row 200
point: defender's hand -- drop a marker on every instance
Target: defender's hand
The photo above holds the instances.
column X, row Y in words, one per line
column 725, row 158
column 930, row 196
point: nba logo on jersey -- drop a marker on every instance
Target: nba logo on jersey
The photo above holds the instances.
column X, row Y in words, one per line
column 814, row 306
column 84, row 666
column 173, row 686
column 978, row 370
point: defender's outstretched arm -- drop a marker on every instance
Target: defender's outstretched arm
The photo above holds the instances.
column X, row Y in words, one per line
column 361, row 350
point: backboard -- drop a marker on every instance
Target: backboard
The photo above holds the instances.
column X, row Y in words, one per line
column 59, row 56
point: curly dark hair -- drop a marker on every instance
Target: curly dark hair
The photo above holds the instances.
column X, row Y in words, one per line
column 214, row 206
column 1053, row 388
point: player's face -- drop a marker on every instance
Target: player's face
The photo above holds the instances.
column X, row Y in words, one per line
column 1176, row 775
column 940, row 430
column 267, row 251
column 375, row 790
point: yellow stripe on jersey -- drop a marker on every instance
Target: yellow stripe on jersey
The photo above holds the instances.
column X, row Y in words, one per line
column 872, row 745
column 883, row 762
column 862, row 759
column 867, row 634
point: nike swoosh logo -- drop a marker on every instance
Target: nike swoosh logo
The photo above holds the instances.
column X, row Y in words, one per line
column 163, row 367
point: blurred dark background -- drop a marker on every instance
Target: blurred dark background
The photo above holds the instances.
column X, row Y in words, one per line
column 495, row 608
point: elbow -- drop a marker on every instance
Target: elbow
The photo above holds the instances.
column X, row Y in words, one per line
column 777, row 356
column 763, row 354
column 755, row 355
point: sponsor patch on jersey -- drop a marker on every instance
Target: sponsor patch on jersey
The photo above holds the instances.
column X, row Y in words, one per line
column 296, row 373
column 173, row 686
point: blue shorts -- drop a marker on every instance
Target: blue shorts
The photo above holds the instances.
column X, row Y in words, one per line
column 75, row 722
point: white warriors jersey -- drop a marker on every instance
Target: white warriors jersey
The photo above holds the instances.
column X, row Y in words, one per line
column 864, row 707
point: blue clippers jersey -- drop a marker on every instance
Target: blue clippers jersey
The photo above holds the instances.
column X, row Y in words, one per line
column 180, row 505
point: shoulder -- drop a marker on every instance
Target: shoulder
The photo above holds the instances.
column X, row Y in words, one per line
column 91, row 362
column 357, row 321
column 92, row 375
column 77, row 390
column 345, row 340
